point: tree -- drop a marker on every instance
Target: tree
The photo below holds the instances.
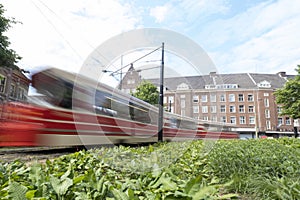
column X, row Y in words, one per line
column 8, row 57
column 289, row 97
column 148, row 92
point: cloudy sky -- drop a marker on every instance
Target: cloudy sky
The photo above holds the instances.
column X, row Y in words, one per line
column 239, row 36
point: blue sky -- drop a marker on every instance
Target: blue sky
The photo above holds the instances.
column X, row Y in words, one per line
column 239, row 36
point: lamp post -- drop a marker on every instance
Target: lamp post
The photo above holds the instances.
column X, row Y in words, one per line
column 161, row 98
column 161, row 86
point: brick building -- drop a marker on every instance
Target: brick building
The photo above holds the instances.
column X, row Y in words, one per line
column 14, row 85
column 245, row 100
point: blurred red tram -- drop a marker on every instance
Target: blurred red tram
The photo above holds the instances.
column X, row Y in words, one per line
column 89, row 113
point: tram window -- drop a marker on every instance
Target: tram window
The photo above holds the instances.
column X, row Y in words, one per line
column 103, row 99
column 120, row 105
column 66, row 101
column 188, row 124
column 139, row 113
column 174, row 123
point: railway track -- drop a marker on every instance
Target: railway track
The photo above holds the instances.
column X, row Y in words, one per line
column 30, row 154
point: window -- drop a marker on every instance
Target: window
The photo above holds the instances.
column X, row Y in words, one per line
column 171, row 99
column 278, row 110
column 279, row 121
column 214, row 118
column 196, row 109
column 204, row 98
column 223, row 119
column 231, row 98
column 213, row 98
column 182, row 103
column 222, row 98
column 287, row 121
column 22, row 94
column 171, row 109
column 195, row 99
column 12, row 90
column 241, row 97
column 130, row 81
column 232, row 120
column 223, row 108
column 204, row 109
column 232, row 109
column 268, row 124
column 241, row 108
column 213, row 109
column 266, row 94
column 205, row 118
column 266, row 101
column 2, row 83
column 165, row 99
column 251, row 109
column 267, row 113
column 250, row 97
column 242, row 120
column 251, row 120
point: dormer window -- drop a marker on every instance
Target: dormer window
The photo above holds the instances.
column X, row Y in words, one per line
column 264, row 84
column 183, row 86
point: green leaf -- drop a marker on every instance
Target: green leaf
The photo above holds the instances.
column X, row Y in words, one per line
column 30, row 194
column 17, row 191
column 119, row 194
column 205, row 192
column 60, row 186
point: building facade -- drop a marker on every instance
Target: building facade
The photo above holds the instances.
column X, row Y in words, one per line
column 14, row 85
column 245, row 100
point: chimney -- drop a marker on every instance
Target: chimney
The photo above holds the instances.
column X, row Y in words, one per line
column 281, row 74
column 213, row 74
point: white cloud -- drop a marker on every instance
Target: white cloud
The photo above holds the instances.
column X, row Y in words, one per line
column 159, row 12
column 181, row 13
column 263, row 39
column 63, row 33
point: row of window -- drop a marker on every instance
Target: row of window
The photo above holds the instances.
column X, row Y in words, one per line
column 222, row 98
column 232, row 120
column 213, row 109
column 232, row 109
column 251, row 120
column 14, row 92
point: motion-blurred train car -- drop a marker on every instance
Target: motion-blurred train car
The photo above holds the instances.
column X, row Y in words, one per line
column 76, row 110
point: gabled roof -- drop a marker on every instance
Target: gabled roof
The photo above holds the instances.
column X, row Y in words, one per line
column 242, row 80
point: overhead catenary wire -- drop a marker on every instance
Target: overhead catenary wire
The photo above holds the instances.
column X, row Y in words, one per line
column 69, row 27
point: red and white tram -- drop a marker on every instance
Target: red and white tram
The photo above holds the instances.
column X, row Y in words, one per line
column 78, row 111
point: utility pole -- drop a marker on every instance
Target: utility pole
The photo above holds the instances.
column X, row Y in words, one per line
column 161, row 98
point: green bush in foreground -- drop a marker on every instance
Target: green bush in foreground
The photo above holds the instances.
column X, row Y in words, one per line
column 268, row 169
column 229, row 169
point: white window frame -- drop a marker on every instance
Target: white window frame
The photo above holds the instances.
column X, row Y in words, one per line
column 196, row 109
column 251, row 120
column 242, row 120
column 204, row 109
column 204, row 98
column 196, row 99
column 231, row 97
column 213, row 98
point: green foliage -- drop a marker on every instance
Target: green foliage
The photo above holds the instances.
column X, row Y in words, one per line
column 147, row 92
column 8, row 57
column 289, row 97
column 231, row 169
